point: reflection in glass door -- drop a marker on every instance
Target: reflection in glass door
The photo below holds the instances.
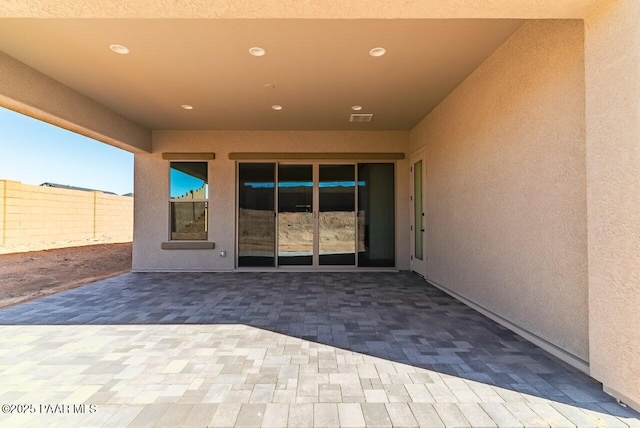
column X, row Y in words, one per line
column 295, row 215
column 256, row 215
column 337, row 215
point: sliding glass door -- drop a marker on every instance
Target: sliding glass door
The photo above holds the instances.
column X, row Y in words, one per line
column 316, row 215
column 376, row 215
column 256, row 215
column 337, row 215
column 295, row 215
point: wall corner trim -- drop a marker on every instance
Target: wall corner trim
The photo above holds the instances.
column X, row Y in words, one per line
column 187, row 156
column 554, row 350
column 196, row 245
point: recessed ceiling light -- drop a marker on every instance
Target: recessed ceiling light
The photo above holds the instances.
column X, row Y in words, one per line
column 276, row 107
column 356, row 108
column 377, row 51
column 119, row 49
column 256, row 51
column 187, row 107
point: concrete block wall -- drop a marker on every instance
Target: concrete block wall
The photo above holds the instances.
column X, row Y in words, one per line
column 38, row 218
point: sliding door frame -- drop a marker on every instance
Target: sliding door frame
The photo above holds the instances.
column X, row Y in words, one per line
column 315, row 266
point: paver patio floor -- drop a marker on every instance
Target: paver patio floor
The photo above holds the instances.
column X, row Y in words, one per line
column 281, row 349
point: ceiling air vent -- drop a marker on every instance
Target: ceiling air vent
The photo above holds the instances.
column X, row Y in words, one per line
column 361, row 117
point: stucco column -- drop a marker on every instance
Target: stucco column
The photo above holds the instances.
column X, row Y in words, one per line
column 612, row 62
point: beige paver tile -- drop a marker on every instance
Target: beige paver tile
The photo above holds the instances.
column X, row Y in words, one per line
column 526, row 415
column 500, row 415
column 251, row 415
column 175, row 415
column 175, row 366
column 451, row 415
column 376, row 396
column 284, row 396
column 200, row 415
column 225, row 415
column 401, row 415
column 426, row 415
column 301, row 415
column 217, row 393
column 476, row 415
column 149, row 416
column 325, row 415
column 275, row 416
column 351, row 415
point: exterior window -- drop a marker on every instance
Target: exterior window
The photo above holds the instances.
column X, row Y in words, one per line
column 189, row 200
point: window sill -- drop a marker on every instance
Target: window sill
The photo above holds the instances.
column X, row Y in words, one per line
column 183, row 245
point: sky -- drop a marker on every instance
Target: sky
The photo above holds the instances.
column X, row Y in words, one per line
column 182, row 183
column 36, row 152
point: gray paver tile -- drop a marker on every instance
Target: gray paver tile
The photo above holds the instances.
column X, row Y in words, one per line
column 426, row 415
column 332, row 337
column 217, row 393
column 401, row 415
column 375, row 415
column 576, row 415
column 200, row 415
column 284, row 396
column 526, row 415
column 238, row 396
column 225, row 415
column 419, row 393
column 551, row 415
column 350, row 415
column 301, row 415
column 376, row 396
column 175, row 415
column 476, row 416
column 451, row 415
column 149, row 415
column 501, row 416
column 276, row 416
column 251, row 415
column 325, row 415
column 262, row 393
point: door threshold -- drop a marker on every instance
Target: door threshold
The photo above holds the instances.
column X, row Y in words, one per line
column 308, row 270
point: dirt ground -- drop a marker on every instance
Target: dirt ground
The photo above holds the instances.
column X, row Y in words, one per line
column 27, row 276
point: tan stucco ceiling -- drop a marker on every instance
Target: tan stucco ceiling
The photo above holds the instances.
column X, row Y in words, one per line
column 315, row 9
column 320, row 68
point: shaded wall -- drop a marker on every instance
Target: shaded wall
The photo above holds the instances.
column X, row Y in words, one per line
column 612, row 49
column 505, row 219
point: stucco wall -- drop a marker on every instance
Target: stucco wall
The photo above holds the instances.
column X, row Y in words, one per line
column 39, row 218
column 612, row 47
column 151, row 177
column 506, row 185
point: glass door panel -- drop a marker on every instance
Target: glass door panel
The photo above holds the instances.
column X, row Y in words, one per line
column 337, row 216
column 256, row 215
column 295, row 215
column 376, row 215
column 417, row 210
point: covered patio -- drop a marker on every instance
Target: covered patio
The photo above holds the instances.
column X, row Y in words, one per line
column 282, row 349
